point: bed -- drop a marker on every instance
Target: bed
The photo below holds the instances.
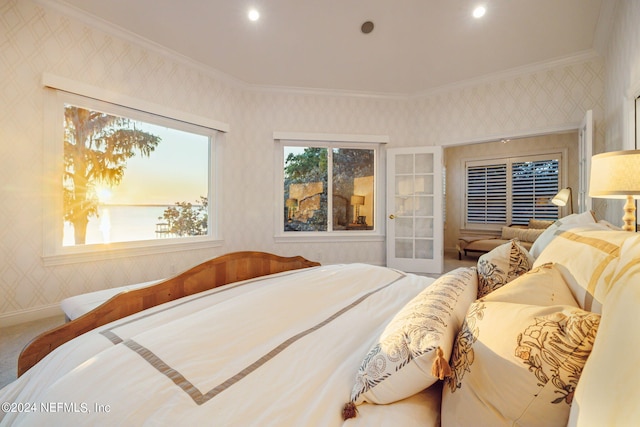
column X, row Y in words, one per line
column 226, row 343
column 255, row 339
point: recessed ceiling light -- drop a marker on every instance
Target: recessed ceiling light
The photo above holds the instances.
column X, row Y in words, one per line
column 254, row 15
column 479, row 11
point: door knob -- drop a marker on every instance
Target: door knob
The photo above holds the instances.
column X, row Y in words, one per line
column 392, row 216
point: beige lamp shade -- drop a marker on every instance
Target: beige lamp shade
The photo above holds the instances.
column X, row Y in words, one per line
column 563, row 198
column 616, row 175
column 357, row 200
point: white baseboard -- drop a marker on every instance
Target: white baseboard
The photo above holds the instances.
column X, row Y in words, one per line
column 30, row 314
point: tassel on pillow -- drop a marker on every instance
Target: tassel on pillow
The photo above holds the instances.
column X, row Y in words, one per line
column 440, row 368
column 349, row 411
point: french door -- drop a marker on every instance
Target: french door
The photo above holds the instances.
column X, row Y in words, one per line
column 414, row 209
column 585, row 149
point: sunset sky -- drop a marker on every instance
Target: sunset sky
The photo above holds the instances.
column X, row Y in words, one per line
column 176, row 171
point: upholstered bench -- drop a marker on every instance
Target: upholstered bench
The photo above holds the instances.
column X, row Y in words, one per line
column 526, row 235
column 482, row 244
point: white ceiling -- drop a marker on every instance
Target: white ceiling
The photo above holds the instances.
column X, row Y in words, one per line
column 416, row 46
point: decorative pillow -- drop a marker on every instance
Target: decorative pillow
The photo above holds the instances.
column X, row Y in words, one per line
column 609, row 225
column 543, row 285
column 587, row 257
column 522, row 234
column 540, row 223
column 608, row 389
column 400, row 363
column 516, row 364
column 502, row 265
column 584, row 218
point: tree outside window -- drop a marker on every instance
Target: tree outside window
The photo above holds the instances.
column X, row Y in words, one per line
column 315, row 203
column 120, row 175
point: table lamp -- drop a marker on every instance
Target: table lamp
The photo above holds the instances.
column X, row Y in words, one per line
column 616, row 175
column 563, row 198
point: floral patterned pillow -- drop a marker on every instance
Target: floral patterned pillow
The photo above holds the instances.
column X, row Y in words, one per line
column 516, row 364
column 500, row 266
column 419, row 336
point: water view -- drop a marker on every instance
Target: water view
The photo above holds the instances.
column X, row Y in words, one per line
column 120, row 223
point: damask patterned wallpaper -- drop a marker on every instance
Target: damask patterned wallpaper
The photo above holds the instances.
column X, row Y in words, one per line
column 35, row 39
column 622, row 83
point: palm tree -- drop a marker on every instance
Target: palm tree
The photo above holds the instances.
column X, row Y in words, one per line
column 96, row 148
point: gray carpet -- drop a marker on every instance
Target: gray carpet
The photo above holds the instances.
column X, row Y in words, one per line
column 14, row 338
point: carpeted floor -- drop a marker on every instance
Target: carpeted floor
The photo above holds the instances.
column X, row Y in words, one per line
column 14, row 338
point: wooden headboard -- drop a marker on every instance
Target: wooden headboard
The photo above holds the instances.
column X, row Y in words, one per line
column 233, row 267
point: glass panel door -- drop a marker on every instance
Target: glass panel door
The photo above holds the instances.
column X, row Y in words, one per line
column 414, row 223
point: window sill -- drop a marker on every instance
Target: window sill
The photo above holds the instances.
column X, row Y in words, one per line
column 336, row 237
column 106, row 252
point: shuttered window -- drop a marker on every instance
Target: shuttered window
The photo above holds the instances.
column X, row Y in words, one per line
column 511, row 190
column 533, row 185
column 487, row 194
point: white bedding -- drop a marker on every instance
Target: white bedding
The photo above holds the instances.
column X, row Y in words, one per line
column 75, row 306
column 281, row 351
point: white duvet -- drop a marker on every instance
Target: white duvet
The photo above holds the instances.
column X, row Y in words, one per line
column 276, row 351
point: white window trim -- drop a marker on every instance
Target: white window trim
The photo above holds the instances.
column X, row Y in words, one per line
column 76, row 93
column 283, row 139
column 562, row 180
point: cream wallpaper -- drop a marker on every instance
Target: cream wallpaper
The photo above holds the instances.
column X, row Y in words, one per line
column 622, row 82
column 35, row 39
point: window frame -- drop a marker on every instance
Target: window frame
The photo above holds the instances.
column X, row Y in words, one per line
column 330, row 141
column 561, row 155
column 59, row 92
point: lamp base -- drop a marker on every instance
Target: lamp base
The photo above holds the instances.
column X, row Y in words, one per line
column 629, row 217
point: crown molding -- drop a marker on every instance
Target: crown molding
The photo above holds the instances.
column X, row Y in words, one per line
column 536, row 67
column 93, row 21
column 107, row 27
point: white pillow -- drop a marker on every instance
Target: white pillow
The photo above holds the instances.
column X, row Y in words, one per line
column 587, row 257
column 544, row 285
column 400, row 363
column 608, row 391
column 516, row 364
column 584, row 218
column 502, row 265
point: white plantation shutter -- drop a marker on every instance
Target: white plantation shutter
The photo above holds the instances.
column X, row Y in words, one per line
column 511, row 191
column 533, row 185
column 487, row 194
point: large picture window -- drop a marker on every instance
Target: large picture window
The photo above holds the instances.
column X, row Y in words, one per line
column 121, row 179
column 511, row 190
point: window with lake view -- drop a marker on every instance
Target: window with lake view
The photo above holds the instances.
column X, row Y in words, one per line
column 128, row 178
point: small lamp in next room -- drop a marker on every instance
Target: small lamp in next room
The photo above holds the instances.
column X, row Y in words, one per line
column 564, row 197
column 616, row 175
column 356, row 202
